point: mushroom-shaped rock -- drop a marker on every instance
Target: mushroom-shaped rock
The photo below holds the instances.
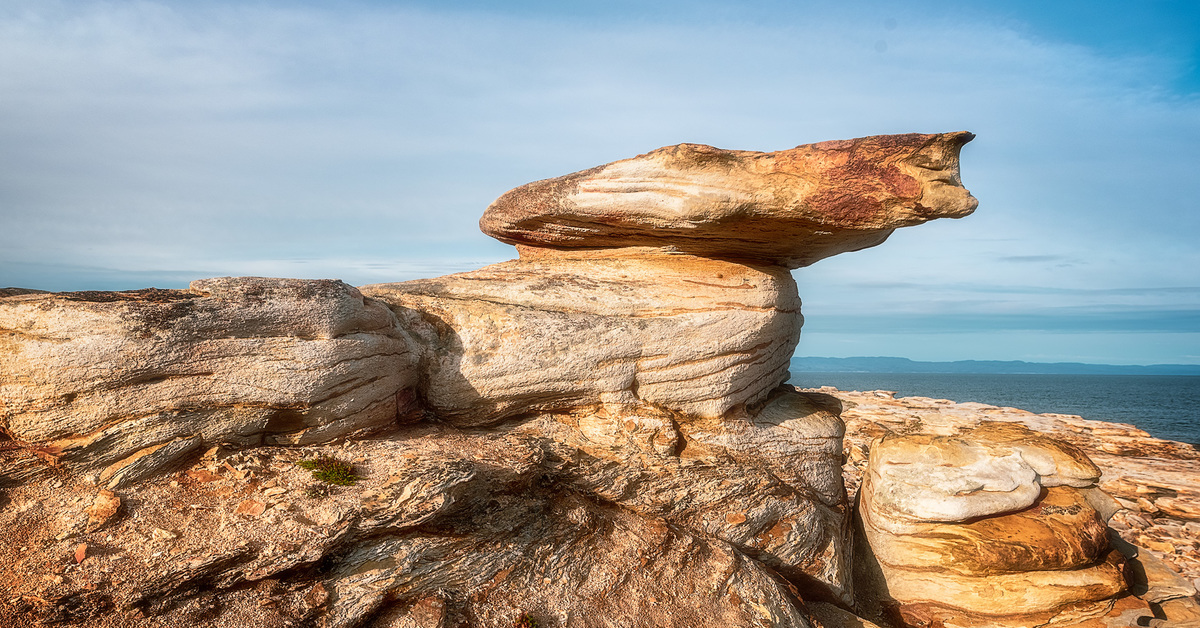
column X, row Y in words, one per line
column 791, row 207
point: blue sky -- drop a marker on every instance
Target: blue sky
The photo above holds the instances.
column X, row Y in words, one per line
column 151, row 143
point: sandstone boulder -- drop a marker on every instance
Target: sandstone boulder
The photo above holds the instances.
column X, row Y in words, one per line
column 996, row 468
column 689, row 334
column 791, row 207
column 128, row 382
column 991, row 527
column 1156, row 482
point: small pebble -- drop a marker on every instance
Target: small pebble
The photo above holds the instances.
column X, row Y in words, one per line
column 1137, row 521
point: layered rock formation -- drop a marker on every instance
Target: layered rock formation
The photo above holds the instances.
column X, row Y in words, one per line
column 558, row 333
column 595, row 434
column 995, row 526
column 621, row 261
column 652, row 311
column 1161, row 545
column 790, row 208
column 124, row 384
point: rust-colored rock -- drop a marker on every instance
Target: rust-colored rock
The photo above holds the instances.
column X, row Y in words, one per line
column 250, row 508
column 791, row 207
column 1136, row 468
column 1156, row 482
column 104, row 507
column 1060, row 530
column 994, row 524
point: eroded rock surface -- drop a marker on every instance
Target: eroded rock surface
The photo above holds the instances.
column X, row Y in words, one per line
column 470, row 527
column 1160, row 544
column 766, row 481
column 990, row 527
column 125, row 383
column 688, row 334
column 791, row 207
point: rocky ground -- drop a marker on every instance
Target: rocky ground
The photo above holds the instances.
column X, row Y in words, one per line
column 252, row 539
column 561, row 518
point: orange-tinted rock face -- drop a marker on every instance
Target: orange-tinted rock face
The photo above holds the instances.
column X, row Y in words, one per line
column 129, row 382
column 790, row 207
column 1059, row 531
column 1148, row 477
column 996, row 523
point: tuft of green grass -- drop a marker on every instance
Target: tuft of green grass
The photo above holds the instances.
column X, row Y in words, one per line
column 525, row 621
column 330, row 470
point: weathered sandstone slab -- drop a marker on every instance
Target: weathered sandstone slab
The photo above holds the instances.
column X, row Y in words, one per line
column 1060, row 530
column 994, row 525
column 791, row 207
column 998, row 468
column 1156, row 482
column 1137, row 468
column 689, row 334
column 137, row 380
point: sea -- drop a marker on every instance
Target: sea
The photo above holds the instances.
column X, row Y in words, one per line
column 1166, row 406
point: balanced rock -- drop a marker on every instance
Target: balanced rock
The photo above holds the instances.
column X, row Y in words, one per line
column 128, row 382
column 689, row 334
column 609, row 443
column 996, row 526
column 791, row 207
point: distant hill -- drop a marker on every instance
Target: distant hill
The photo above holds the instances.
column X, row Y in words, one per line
column 904, row 365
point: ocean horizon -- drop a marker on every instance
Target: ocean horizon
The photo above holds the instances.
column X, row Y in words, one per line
column 1166, row 406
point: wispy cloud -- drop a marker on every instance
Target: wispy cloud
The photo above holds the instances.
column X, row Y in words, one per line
column 1020, row 259
column 225, row 137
